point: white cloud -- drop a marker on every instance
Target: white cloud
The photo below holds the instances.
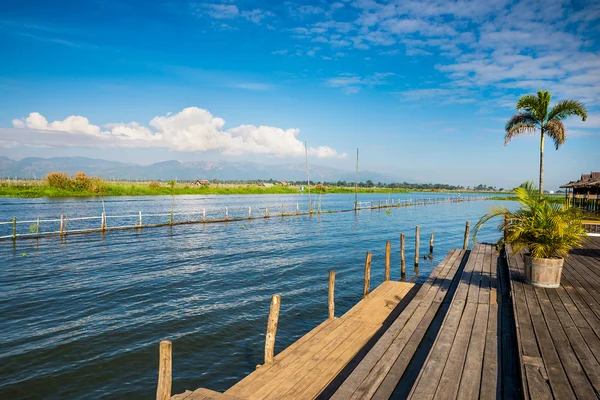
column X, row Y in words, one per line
column 351, row 83
column 190, row 130
column 218, row 11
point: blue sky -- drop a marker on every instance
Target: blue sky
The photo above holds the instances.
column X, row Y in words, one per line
column 423, row 88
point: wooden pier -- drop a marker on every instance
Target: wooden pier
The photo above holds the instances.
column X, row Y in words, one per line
column 472, row 330
column 558, row 330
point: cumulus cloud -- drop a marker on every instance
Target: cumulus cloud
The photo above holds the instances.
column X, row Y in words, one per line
column 190, row 130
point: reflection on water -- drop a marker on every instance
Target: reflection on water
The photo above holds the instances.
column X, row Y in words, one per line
column 82, row 316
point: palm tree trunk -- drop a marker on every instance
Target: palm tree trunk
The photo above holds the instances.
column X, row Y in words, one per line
column 542, row 163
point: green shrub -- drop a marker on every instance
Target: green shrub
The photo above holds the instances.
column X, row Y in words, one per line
column 58, row 180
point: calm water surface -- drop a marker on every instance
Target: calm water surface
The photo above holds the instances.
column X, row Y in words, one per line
column 82, row 317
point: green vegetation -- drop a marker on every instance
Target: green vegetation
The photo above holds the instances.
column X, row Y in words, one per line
column 533, row 114
column 545, row 228
column 61, row 185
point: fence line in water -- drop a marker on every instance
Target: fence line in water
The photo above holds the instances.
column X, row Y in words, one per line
column 89, row 224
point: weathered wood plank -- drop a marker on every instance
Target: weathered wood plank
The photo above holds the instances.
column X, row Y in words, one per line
column 427, row 291
column 382, row 380
column 413, row 341
column 568, row 359
column 557, row 377
column 471, row 376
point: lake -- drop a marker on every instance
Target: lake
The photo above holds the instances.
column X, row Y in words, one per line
column 82, row 317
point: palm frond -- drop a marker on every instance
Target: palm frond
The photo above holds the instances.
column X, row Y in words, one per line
column 519, row 124
column 566, row 108
column 545, row 229
column 527, row 102
column 557, row 131
column 541, row 111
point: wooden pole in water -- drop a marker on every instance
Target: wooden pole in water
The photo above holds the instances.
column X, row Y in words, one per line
column 249, row 212
column 367, row 275
column 431, row 243
column 267, row 211
column 61, row 224
column 103, row 221
column 297, row 209
column 226, row 214
column 165, row 371
column 388, row 248
column 14, row 228
column 402, row 259
column 204, row 215
column 272, row 328
column 467, row 230
column 331, row 294
column 37, row 227
column 417, row 244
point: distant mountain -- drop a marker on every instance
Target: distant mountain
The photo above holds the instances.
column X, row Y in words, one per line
column 223, row 170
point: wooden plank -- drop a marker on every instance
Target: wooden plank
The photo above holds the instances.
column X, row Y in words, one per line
column 579, row 320
column 207, row 394
column 489, row 372
column 427, row 291
column 325, row 371
column 293, row 349
column 383, row 378
column 284, row 376
column 559, row 383
column 471, row 377
column 429, row 377
column 261, row 375
column 582, row 303
column 486, row 271
column 279, row 387
column 576, row 340
column 579, row 382
column 406, row 343
column 451, row 376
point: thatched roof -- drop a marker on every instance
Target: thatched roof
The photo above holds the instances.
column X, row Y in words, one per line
column 586, row 181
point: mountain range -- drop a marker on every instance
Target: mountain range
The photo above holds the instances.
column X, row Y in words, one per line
column 34, row 167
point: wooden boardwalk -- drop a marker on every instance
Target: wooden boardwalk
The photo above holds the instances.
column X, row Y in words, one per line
column 558, row 330
column 451, row 338
column 310, row 364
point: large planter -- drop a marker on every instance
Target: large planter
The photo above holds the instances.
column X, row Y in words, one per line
column 543, row 272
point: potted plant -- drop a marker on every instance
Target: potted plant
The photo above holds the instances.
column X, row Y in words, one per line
column 548, row 231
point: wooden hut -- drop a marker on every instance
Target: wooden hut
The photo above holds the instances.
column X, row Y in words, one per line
column 201, row 182
column 585, row 192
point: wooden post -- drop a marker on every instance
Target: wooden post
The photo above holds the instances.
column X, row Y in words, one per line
column 61, row 224
column 272, row 328
column 171, row 219
column 505, row 228
column 103, row 223
column 330, row 297
column 249, row 212
column 14, row 226
column 402, row 259
column 140, row 219
column 204, row 215
column 467, row 230
column 165, row 371
column 388, row 248
column 297, row 209
column 37, row 226
column 431, row 243
column 226, row 214
column 417, row 244
column 367, row 275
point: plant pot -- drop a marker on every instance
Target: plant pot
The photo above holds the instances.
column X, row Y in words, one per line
column 543, row 272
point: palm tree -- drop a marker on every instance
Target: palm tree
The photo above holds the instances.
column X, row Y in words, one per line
column 533, row 113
